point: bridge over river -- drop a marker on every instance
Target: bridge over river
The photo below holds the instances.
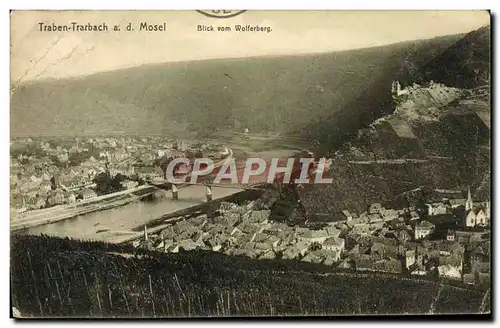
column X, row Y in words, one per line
column 122, row 223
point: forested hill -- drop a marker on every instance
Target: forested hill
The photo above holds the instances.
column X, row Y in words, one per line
column 464, row 64
column 324, row 95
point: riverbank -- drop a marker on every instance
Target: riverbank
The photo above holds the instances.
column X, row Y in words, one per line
column 64, row 212
column 117, row 224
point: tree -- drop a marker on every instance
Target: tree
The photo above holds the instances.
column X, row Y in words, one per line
column 164, row 164
column 106, row 185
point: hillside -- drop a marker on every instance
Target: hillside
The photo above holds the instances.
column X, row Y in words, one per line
column 466, row 64
column 438, row 137
column 61, row 277
column 444, row 128
column 332, row 93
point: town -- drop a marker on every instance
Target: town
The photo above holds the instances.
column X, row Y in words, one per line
column 399, row 241
column 449, row 238
column 47, row 173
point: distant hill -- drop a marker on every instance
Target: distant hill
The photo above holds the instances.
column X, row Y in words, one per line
column 466, row 64
column 317, row 95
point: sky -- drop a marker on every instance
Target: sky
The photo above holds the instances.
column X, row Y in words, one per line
column 39, row 54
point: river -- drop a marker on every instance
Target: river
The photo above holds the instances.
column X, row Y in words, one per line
column 119, row 222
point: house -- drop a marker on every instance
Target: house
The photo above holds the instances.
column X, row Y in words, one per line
column 148, row 172
column 56, row 198
column 438, row 208
column 423, row 229
column 301, row 248
column 480, row 266
column 230, row 219
column 260, row 217
column 129, row 184
column 347, row 215
column 403, row 235
column 269, row 255
column 453, row 260
column 410, row 258
column 390, row 214
column 87, row 193
column 312, row 258
column 454, row 203
column 469, row 278
column 449, row 271
column 418, row 269
column 375, row 218
column 45, row 186
column 184, row 227
column 35, row 202
column 273, row 241
column 167, row 233
column 298, row 249
column 334, row 244
column 375, row 208
column 331, row 258
column 187, row 245
column 332, row 231
column 364, row 263
column 259, row 237
column 414, row 215
column 484, row 277
column 450, row 235
column 377, row 251
column 311, row 236
column 226, row 207
column 387, row 265
column 346, row 264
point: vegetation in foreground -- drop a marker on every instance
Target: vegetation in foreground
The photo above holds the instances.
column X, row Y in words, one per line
column 54, row 277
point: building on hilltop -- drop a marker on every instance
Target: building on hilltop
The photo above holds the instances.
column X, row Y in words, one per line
column 397, row 90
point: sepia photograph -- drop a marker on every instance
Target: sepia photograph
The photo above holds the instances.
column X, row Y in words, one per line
column 250, row 163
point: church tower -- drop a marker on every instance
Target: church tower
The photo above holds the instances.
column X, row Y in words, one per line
column 469, row 204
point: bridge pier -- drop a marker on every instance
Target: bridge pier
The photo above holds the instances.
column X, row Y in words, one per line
column 175, row 192
column 208, row 193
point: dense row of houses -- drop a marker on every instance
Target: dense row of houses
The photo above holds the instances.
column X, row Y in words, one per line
column 476, row 213
column 245, row 230
column 379, row 239
column 37, row 182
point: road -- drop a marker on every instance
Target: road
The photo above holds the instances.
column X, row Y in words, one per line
column 392, row 161
column 62, row 212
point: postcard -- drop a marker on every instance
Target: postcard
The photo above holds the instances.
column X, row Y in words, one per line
column 243, row 163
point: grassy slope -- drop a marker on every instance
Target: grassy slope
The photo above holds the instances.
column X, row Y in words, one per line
column 89, row 279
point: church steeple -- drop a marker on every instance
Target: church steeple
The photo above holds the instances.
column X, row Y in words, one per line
column 469, row 204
